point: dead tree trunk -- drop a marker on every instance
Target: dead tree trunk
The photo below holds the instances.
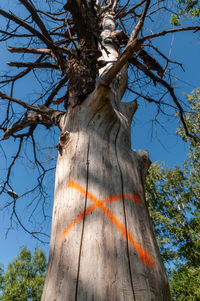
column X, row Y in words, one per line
column 102, row 242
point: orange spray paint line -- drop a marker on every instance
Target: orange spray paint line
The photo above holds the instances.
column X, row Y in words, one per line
column 145, row 257
column 93, row 207
column 77, row 219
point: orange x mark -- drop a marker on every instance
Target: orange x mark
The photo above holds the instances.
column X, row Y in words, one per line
column 142, row 253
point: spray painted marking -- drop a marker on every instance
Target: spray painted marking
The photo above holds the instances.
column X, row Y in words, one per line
column 142, row 253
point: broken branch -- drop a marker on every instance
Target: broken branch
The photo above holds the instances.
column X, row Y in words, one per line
column 29, row 50
column 38, row 50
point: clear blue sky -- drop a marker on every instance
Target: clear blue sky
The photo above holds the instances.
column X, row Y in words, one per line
column 162, row 146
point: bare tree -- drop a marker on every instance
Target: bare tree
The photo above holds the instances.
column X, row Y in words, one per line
column 102, row 242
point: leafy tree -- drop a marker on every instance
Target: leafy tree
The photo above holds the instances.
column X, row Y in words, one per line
column 185, row 283
column 173, row 196
column 24, row 277
column 186, row 8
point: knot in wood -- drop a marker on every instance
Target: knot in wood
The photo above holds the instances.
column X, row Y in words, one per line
column 64, row 138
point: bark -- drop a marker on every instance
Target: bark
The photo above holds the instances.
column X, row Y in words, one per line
column 102, row 242
column 96, row 259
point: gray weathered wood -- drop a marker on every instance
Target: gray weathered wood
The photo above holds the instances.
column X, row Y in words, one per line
column 102, row 242
column 94, row 261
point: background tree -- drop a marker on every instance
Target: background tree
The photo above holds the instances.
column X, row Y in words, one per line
column 173, row 197
column 88, row 59
column 189, row 8
column 24, row 277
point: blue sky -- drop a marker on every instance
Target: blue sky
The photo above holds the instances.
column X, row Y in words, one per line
column 163, row 146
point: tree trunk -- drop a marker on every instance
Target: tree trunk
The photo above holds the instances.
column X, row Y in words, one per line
column 102, row 242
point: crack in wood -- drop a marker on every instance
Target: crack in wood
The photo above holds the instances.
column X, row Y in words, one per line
column 125, row 219
column 84, row 215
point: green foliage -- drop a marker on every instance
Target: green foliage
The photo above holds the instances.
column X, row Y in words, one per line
column 185, row 283
column 24, row 278
column 175, row 20
column 173, row 196
column 189, row 8
column 169, row 199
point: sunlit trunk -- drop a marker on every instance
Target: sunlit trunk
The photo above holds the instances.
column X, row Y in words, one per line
column 102, row 242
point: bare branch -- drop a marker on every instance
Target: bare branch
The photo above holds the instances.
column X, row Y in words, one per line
column 9, row 35
column 52, row 16
column 42, row 109
column 124, row 58
column 114, row 5
column 37, row 19
column 20, row 102
column 132, row 45
column 45, row 38
column 139, row 24
column 152, row 100
column 56, row 90
column 33, row 234
column 132, row 9
column 31, row 120
column 19, row 21
column 33, row 65
column 166, row 58
column 171, row 92
column 122, row 9
column 13, row 162
column 162, row 33
column 21, row 74
column 38, row 50
column 29, row 50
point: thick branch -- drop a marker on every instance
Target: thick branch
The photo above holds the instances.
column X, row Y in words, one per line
column 139, row 24
column 33, row 119
column 29, row 50
column 38, row 50
column 132, row 45
column 126, row 55
column 42, row 109
column 30, row 119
